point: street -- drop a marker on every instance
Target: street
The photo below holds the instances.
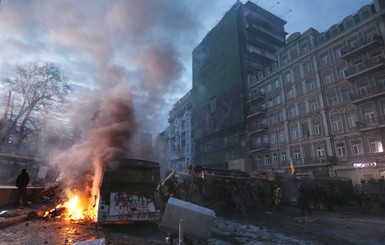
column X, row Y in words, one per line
column 345, row 225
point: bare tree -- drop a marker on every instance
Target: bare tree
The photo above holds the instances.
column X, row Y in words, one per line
column 36, row 89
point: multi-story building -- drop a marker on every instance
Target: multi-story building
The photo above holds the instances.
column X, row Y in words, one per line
column 160, row 151
column 322, row 104
column 244, row 41
column 180, row 147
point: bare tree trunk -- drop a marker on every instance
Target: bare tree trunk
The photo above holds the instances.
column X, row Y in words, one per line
column 21, row 135
column 4, row 119
column 12, row 125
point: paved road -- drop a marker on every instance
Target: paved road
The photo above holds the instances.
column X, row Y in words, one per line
column 350, row 225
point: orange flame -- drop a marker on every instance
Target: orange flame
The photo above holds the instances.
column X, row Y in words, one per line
column 76, row 210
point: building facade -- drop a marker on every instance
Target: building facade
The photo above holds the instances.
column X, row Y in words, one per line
column 322, row 104
column 180, row 147
column 244, row 41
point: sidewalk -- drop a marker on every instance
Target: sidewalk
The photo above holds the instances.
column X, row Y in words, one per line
column 12, row 214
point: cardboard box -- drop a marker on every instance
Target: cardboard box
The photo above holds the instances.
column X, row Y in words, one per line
column 198, row 221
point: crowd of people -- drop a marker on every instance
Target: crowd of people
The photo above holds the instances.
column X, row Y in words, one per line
column 308, row 195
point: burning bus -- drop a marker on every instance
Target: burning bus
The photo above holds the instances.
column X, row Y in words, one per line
column 128, row 192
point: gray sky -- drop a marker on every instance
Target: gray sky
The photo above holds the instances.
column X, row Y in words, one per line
column 137, row 49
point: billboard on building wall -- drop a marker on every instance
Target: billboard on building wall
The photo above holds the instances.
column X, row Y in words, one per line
column 217, row 92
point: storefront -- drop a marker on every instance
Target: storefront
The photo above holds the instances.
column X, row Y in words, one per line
column 359, row 170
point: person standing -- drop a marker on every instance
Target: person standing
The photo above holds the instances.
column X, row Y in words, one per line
column 22, row 182
column 304, row 200
column 277, row 197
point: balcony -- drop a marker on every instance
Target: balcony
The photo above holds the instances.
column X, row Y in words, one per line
column 257, row 128
column 256, row 96
column 364, row 68
column 254, row 111
column 259, row 147
column 370, row 123
column 370, row 93
column 362, row 46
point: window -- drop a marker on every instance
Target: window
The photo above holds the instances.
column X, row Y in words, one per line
column 252, row 78
column 282, row 137
column 336, row 122
column 317, row 127
column 305, row 129
column 370, row 35
column 341, row 71
column 369, row 115
column 313, row 104
column 357, row 147
column 275, row 158
column 320, row 152
column 337, row 53
column 277, row 83
column 363, row 89
column 359, row 65
column 283, row 156
column 310, row 84
column 346, row 93
column 290, row 93
column 380, row 83
column 307, row 67
column 351, row 118
column 328, row 78
column 266, row 139
column 301, row 108
column 341, row 149
column 288, row 77
column 272, row 119
column 273, row 138
column 266, row 159
column 292, row 111
column 278, row 99
column 325, row 60
column 332, row 98
column 293, row 54
column 297, row 73
column 375, row 144
column 280, row 117
column 269, row 87
column 294, row 131
column 297, row 154
column 354, row 43
column 259, row 160
column 383, row 107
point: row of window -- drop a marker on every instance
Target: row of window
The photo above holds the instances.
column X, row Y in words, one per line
column 338, row 122
column 356, row 147
column 333, row 96
column 325, row 58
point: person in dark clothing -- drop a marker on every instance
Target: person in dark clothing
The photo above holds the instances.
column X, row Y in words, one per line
column 304, row 200
column 22, row 181
column 317, row 196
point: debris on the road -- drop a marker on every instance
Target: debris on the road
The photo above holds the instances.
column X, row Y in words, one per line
column 101, row 241
column 5, row 214
column 197, row 221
